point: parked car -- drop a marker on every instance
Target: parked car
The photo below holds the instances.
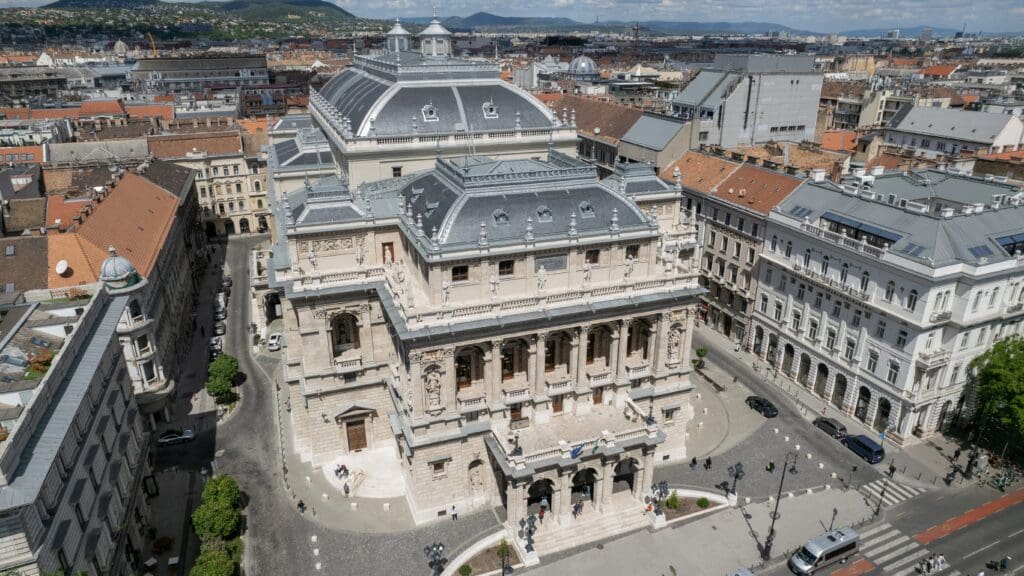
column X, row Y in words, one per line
column 222, row 300
column 226, row 282
column 275, row 342
column 171, row 437
column 220, row 313
column 220, row 328
column 865, row 447
column 762, row 405
column 831, row 427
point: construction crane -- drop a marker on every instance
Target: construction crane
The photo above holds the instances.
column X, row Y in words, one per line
column 152, row 44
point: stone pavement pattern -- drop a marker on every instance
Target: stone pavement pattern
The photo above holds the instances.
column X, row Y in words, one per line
column 716, row 544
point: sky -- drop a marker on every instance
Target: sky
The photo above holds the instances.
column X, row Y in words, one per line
column 812, row 15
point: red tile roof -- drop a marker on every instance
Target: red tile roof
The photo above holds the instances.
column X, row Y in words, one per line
column 700, row 172
column 839, row 140
column 106, row 107
column 59, row 207
column 178, row 145
column 165, row 111
column 134, row 218
column 940, row 70
column 602, row 118
column 758, row 189
column 17, row 154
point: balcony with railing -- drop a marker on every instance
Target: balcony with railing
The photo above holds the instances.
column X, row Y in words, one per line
column 472, row 398
column 844, row 241
column 943, row 316
column 933, row 358
column 599, row 373
column 822, row 280
column 558, row 381
column 603, row 429
column 637, row 367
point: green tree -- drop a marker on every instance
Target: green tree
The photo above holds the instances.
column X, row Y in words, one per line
column 219, row 388
column 999, row 374
column 503, row 551
column 224, row 367
column 216, row 519
column 213, row 562
column 465, row 570
column 701, row 354
column 223, row 489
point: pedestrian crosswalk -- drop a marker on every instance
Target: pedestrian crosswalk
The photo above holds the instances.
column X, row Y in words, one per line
column 895, row 492
column 895, row 553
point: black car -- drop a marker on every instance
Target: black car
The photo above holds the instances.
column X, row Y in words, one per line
column 762, row 405
column 226, row 282
column 831, row 427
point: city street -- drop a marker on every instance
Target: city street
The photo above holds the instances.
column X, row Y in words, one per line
column 970, row 527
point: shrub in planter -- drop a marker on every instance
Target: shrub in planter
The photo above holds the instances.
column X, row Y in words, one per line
column 703, row 502
column 465, row 570
column 672, row 502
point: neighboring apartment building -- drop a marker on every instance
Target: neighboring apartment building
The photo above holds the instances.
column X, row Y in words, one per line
column 934, row 132
column 394, row 113
column 732, row 201
column 230, row 177
column 150, row 215
column 600, row 125
column 18, row 83
column 749, row 99
column 193, row 74
column 873, row 108
column 875, row 294
column 73, row 458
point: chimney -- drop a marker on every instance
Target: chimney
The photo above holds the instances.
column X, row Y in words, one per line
column 947, row 212
column 818, row 175
column 858, row 172
column 878, row 170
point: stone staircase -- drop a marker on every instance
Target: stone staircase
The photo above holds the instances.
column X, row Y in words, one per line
column 622, row 516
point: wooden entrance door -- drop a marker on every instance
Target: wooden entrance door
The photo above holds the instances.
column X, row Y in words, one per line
column 356, row 432
column 598, row 396
column 556, row 404
column 516, row 411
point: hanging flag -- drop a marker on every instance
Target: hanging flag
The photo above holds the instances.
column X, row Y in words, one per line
column 576, row 451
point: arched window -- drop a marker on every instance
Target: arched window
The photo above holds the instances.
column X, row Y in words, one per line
column 344, row 333
column 844, row 273
column 807, row 258
column 994, row 299
column 912, row 300
column 775, row 243
column 864, row 279
column 824, row 265
column 890, row 291
column 257, row 185
column 135, row 309
column 789, row 249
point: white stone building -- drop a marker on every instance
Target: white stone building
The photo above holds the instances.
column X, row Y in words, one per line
column 877, row 293
column 936, row 132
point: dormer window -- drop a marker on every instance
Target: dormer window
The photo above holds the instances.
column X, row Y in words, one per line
column 543, row 214
column 586, row 209
column 490, row 110
column 429, row 113
column 500, row 217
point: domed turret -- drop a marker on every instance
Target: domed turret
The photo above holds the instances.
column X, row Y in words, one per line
column 117, row 272
column 435, row 40
column 399, row 39
column 583, row 67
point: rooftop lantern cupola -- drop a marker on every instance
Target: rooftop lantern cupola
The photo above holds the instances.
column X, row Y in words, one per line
column 399, row 39
column 435, row 40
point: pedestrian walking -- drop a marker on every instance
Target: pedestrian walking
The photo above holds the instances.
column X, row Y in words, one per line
column 302, row 507
column 770, row 467
column 707, row 463
column 693, row 463
column 956, row 455
column 930, row 565
column 892, row 470
column 922, row 566
column 455, row 513
column 942, row 562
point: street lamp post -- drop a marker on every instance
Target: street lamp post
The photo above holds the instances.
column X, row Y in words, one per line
column 878, row 508
column 736, row 473
column 436, row 559
column 766, row 551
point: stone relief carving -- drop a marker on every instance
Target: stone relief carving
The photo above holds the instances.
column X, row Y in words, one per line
column 476, row 481
column 432, row 385
column 675, row 340
column 542, row 278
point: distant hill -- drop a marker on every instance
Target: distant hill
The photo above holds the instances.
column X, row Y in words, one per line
column 281, row 9
column 266, row 10
column 485, row 20
column 95, row 4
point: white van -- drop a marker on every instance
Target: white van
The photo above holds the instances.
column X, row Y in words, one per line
column 830, row 548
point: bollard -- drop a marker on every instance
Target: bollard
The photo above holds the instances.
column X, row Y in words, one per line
column 797, row 446
column 785, row 438
column 316, row 551
column 776, row 430
column 704, row 410
column 833, row 475
column 789, row 494
column 308, row 480
column 313, row 538
column 318, row 566
column 700, row 425
column 821, row 465
column 746, row 500
column 698, row 395
column 354, row 506
column 325, row 496
column 809, row 456
column 810, row 490
column 828, row 486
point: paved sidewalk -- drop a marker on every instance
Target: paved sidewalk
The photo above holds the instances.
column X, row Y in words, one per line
column 716, row 544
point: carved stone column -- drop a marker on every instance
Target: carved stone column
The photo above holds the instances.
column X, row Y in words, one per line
column 537, row 363
column 661, row 346
column 448, row 385
column 574, row 365
column 581, row 356
column 623, row 349
column 366, row 334
column 416, row 382
column 493, row 375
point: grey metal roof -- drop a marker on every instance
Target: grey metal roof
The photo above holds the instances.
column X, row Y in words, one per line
column 107, row 151
column 353, row 93
column 654, row 132
column 707, row 89
column 766, row 63
column 293, row 122
column 950, row 123
column 48, row 435
column 920, row 232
